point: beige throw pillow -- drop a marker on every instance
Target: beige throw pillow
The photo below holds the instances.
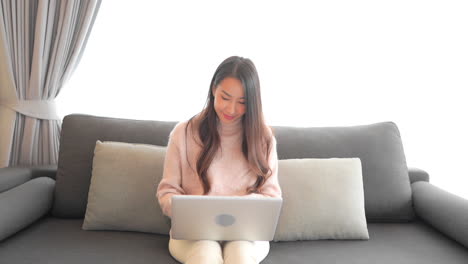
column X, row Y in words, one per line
column 122, row 193
column 322, row 199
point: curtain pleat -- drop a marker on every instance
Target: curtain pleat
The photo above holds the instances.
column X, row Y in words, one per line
column 17, row 137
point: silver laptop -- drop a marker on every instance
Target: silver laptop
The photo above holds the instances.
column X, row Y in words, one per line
column 225, row 218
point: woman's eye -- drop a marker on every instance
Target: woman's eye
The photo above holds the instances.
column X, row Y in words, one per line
column 225, row 99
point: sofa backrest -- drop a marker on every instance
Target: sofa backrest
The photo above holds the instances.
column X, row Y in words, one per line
column 387, row 188
column 386, row 183
column 77, row 142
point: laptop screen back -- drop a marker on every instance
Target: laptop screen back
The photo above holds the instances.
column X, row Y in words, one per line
column 224, row 218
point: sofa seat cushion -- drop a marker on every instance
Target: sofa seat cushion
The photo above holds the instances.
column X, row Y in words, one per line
column 389, row 243
column 55, row 241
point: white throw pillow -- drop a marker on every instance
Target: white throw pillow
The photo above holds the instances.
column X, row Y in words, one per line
column 122, row 193
column 322, row 199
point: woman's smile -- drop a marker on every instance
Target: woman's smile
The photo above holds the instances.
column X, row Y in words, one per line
column 228, row 117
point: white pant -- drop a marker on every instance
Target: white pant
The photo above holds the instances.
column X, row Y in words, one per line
column 214, row 252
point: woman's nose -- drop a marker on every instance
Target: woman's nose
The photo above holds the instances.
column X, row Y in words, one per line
column 232, row 108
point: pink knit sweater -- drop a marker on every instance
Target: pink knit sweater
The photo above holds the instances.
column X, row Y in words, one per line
column 228, row 174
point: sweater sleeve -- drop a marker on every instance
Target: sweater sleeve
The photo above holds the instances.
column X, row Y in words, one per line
column 171, row 183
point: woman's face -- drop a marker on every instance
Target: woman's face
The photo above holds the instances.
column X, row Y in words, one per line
column 229, row 101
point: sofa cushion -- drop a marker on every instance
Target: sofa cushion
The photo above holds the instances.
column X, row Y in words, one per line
column 387, row 189
column 122, row 194
column 58, row 241
column 77, row 141
column 322, row 199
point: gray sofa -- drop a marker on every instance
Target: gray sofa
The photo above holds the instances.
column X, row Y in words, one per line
column 409, row 219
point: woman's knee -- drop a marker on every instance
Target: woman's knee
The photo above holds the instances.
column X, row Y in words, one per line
column 205, row 251
column 207, row 246
column 239, row 252
column 191, row 252
column 245, row 251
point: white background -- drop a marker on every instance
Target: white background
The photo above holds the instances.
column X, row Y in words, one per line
column 327, row 63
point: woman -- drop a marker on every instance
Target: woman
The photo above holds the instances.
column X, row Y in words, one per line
column 226, row 149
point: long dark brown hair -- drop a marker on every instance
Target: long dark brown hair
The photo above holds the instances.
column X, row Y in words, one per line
column 256, row 139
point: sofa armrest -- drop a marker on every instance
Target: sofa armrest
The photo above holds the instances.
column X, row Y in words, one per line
column 11, row 177
column 446, row 212
column 24, row 204
column 416, row 175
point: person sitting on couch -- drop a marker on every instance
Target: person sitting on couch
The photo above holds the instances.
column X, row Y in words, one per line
column 227, row 149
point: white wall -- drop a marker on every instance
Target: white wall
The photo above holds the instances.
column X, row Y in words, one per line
column 333, row 63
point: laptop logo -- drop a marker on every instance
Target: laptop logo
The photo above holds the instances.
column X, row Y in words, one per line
column 225, row 219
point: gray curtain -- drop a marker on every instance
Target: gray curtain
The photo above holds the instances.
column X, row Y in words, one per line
column 41, row 43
